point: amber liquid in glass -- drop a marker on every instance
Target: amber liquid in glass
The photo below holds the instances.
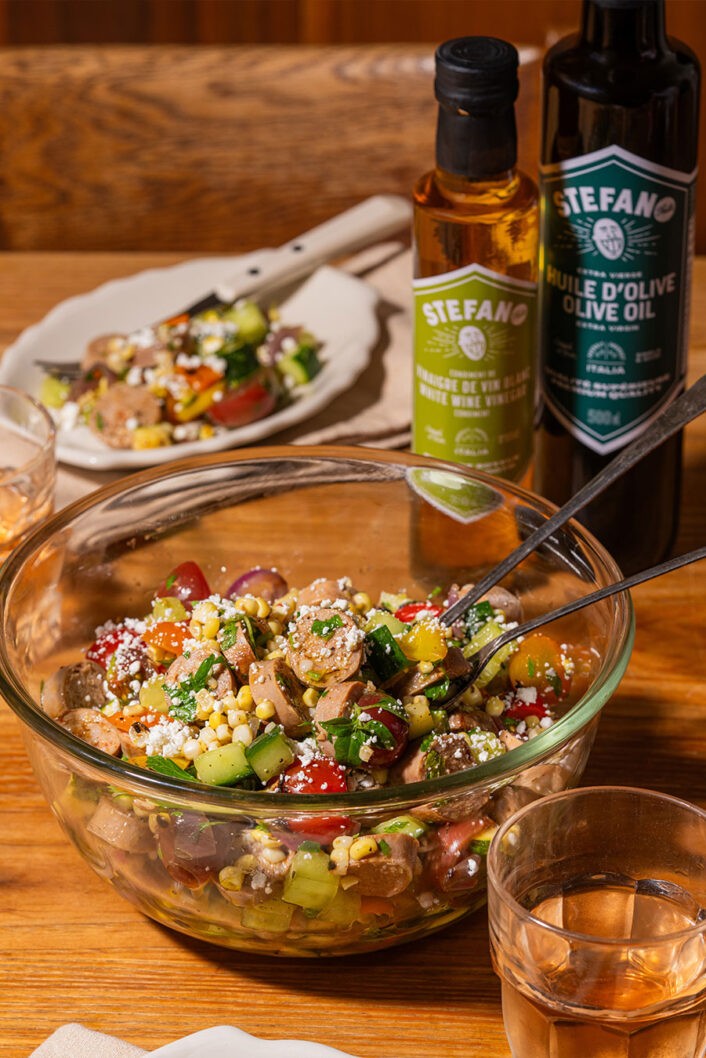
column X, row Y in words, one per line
column 620, row 81
column 654, row 1008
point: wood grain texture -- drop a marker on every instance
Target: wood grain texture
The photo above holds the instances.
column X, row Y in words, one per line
column 71, row 948
column 209, row 148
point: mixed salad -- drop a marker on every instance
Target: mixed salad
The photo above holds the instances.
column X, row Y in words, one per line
column 312, row 690
column 186, row 379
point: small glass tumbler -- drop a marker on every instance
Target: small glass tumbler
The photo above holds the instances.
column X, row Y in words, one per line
column 27, row 466
column 596, row 902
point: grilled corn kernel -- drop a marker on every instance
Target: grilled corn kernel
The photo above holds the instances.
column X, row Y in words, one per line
column 274, row 855
column 243, row 734
column 210, row 628
column 494, row 706
column 205, row 704
column 231, row 878
column 134, row 709
column 192, row 748
column 157, row 436
column 343, row 841
column 425, row 667
column 265, row 709
column 310, row 697
column 263, row 608
column 195, row 629
column 339, row 859
column 471, row 697
column 246, row 862
column 244, row 698
column 362, row 847
column 224, row 733
column 362, row 602
column 235, row 717
column 216, row 719
column 208, row 736
column 275, row 626
column 365, row 753
column 274, row 653
column 532, row 721
column 247, row 604
column 206, row 431
column 203, row 610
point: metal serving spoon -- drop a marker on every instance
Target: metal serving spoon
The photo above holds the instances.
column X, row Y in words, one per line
column 685, row 408
column 480, row 659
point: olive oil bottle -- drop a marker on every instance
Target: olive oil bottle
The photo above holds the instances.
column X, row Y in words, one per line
column 617, row 182
column 475, row 270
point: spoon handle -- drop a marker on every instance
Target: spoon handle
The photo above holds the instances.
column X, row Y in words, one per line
column 690, row 404
column 481, row 659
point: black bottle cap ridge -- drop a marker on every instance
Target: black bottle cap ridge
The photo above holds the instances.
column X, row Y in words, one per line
column 476, row 73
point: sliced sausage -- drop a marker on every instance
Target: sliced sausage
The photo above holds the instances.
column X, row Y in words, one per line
column 98, row 349
column 322, row 591
column 325, row 645
column 452, row 751
column 78, row 686
column 412, row 768
column 473, row 718
column 336, row 701
column 412, row 681
column 241, row 655
column 120, row 410
column 499, row 598
column 123, row 830
column 388, row 871
column 220, row 679
column 92, row 727
column 274, row 681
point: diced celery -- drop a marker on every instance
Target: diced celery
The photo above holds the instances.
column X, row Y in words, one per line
column 310, row 883
column 271, row 916
column 153, row 697
column 421, row 721
column 489, row 631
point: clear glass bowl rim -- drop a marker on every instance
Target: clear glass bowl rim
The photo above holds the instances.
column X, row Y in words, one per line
column 138, row 780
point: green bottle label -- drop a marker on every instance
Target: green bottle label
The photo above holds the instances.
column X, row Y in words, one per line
column 617, row 234
column 473, row 373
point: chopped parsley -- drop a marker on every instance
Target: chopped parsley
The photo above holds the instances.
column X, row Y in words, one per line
column 182, row 695
column 165, row 766
column 326, row 628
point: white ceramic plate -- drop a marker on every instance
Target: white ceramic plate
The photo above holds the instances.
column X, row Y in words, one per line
column 227, row 1042
column 338, row 308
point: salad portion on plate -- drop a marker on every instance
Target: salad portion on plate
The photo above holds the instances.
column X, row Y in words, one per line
column 225, row 380
column 189, row 378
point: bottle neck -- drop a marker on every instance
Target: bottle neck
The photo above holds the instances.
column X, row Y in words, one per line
column 476, row 146
column 629, row 28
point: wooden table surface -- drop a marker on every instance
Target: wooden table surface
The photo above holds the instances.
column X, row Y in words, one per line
column 73, row 950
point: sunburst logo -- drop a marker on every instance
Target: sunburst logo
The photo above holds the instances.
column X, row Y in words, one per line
column 613, row 240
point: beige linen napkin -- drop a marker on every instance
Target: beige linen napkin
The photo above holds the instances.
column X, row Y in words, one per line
column 375, row 411
column 75, row 1041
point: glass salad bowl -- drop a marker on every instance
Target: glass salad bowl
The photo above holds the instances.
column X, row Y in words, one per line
column 245, row 857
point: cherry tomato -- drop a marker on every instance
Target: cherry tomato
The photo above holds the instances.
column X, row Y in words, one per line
column 450, row 865
column 538, row 663
column 409, row 611
column 519, row 710
column 372, row 706
column 168, row 636
column 123, row 655
column 186, row 582
column 249, row 402
column 319, row 775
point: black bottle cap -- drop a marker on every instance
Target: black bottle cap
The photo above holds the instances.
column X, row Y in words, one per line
column 476, row 73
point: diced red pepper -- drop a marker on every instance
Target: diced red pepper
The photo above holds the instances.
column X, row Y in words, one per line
column 520, row 710
column 168, row 636
column 410, row 611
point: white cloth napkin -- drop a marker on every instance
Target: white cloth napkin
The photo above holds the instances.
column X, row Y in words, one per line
column 223, row 1041
column 375, row 411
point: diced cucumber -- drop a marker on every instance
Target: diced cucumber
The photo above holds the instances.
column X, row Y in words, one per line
column 271, row 916
column 269, row 754
column 384, row 655
column 224, row 765
column 378, row 618
column 301, row 365
column 489, row 631
column 481, row 842
column 392, row 602
column 250, row 321
column 343, row 910
column 421, row 721
column 310, row 883
column 406, row 824
column 54, row 392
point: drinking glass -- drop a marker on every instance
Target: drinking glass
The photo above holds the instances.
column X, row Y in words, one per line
column 596, row 902
column 27, row 466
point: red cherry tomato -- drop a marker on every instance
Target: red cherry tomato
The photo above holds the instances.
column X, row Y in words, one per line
column 249, row 402
column 105, row 646
column 411, row 610
column 316, row 776
column 519, row 710
column 186, row 582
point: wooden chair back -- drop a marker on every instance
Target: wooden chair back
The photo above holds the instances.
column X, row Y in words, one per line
column 203, row 148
